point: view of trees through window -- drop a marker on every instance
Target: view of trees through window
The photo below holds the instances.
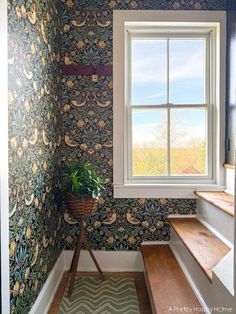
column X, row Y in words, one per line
column 187, row 146
column 169, row 109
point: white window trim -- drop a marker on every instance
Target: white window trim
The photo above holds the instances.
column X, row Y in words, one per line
column 208, row 35
column 201, row 19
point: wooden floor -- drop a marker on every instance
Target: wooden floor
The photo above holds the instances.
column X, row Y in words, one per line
column 143, row 299
column 222, row 200
column 204, row 246
column 167, row 285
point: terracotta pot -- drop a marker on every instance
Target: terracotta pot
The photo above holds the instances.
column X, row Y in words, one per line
column 81, row 206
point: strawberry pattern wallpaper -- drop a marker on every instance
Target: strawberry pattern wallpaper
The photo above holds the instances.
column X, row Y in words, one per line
column 86, row 106
column 55, row 117
column 34, row 142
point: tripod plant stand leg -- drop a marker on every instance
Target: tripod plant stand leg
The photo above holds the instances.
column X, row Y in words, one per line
column 75, row 259
column 88, row 247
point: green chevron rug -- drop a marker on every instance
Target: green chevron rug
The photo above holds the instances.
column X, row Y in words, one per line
column 91, row 295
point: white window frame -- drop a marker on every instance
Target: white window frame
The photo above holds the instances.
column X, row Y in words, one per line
column 137, row 23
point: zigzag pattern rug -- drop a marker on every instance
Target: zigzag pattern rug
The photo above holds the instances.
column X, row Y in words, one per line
column 91, row 295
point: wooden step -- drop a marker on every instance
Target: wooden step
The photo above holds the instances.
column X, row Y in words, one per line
column 222, row 200
column 167, row 285
column 229, row 166
column 204, row 246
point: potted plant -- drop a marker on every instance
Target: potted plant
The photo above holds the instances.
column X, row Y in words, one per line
column 82, row 187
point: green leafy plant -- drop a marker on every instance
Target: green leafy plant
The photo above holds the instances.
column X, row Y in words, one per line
column 80, row 179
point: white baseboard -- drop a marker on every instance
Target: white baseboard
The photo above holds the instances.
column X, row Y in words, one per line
column 181, row 216
column 155, row 242
column 46, row 295
column 109, row 261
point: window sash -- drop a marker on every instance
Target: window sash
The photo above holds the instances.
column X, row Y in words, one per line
column 207, row 66
column 129, row 107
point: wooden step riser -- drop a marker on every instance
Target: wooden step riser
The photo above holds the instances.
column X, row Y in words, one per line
column 202, row 287
column 220, row 221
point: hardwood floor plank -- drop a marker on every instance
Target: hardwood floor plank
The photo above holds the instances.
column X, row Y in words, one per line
column 204, row 246
column 167, row 285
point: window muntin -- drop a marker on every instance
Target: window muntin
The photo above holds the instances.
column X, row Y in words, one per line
column 172, row 89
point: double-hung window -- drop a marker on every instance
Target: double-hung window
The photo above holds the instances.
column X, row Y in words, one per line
column 170, row 105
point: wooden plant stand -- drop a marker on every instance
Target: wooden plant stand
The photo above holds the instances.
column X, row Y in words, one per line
column 74, row 263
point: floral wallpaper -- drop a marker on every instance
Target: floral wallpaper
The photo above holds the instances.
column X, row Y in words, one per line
column 86, row 107
column 34, row 141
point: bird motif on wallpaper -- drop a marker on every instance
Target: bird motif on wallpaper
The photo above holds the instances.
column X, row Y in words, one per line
column 58, row 225
column 58, row 142
column 13, row 211
column 106, row 24
column 132, row 219
column 33, row 139
column 18, row 12
column 45, row 139
column 47, row 91
column 80, row 24
column 108, row 144
column 43, row 33
column 76, row 104
column 29, row 74
column 110, row 219
column 29, row 201
column 45, row 241
column 67, row 60
column 69, row 141
column 70, row 220
column 11, row 60
column 106, row 104
column 35, row 256
column 103, row 105
column 32, row 16
column 48, row 189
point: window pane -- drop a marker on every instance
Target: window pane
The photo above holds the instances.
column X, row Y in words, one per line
column 187, row 71
column 188, row 138
column 149, row 142
column 149, row 72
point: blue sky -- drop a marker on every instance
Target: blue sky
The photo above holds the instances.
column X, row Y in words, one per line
column 149, row 81
column 149, row 71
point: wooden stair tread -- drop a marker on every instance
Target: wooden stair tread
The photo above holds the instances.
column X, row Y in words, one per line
column 166, row 282
column 229, row 166
column 203, row 245
column 222, row 200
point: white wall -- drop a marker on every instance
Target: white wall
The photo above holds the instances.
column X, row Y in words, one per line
column 4, row 160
